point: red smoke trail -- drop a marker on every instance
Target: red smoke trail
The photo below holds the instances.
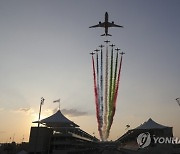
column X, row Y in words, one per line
column 101, row 89
column 97, row 69
column 96, row 97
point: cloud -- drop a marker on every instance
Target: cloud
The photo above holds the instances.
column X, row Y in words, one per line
column 73, row 112
column 27, row 111
column 24, row 109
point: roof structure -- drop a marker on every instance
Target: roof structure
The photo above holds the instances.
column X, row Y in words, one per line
column 57, row 120
column 150, row 124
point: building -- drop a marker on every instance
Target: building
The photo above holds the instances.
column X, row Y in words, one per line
column 60, row 135
column 129, row 139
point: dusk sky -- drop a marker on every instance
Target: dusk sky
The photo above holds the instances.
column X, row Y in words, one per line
column 44, row 52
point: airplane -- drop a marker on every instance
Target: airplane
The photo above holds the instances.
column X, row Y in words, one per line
column 92, row 53
column 112, row 45
column 122, row 53
column 101, row 46
column 117, row 49
column 106, row 24
column 107, row 41
column 96, row 50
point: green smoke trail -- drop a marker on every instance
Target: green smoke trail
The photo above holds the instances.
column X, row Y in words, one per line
column 115, row 98
column 111, row 77
column 115, row 76
column 110, row 93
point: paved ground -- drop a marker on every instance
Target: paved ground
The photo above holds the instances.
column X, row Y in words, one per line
column 109, row 150
column 112, row 152
column 123, row 151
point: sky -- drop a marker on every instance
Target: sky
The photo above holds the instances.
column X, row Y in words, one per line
column 44, row 52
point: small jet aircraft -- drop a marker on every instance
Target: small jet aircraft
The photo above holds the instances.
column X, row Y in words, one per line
column 117, row 49
column 101, row 46
column 106, row 24
column 92, row 53
column 96, row 50
column 107, row 41
column 122, row 53
column 112, row 45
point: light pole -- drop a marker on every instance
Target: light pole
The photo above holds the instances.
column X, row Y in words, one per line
column 37, row 133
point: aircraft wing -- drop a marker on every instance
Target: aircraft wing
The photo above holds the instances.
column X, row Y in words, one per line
column 99, row 25
column 113, row 25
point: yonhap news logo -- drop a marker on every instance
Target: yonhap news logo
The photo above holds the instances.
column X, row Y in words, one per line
column 145, row 139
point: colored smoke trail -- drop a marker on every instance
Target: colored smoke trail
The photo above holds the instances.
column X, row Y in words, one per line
column 115, row 99
column 101, row 89
column 115, row 76
column 110, row 95
column 106, row 75
column 117, row 85
column 106, row 95
column 112, row 111
column 110, row 82
column 96, row 96
column 98, row 88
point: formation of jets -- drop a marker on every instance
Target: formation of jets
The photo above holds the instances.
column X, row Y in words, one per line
column 122, row 53
column 106, row 24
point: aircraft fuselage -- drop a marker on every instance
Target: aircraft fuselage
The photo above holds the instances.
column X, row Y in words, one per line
column 106, row 23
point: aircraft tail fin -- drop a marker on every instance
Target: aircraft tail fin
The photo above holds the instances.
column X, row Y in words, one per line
column 106, row 35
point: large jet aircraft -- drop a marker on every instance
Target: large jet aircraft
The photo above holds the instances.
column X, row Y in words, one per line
column 106, row 24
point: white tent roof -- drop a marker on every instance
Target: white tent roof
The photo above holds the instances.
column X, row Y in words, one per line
column 57, row 120
column 150, row 124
